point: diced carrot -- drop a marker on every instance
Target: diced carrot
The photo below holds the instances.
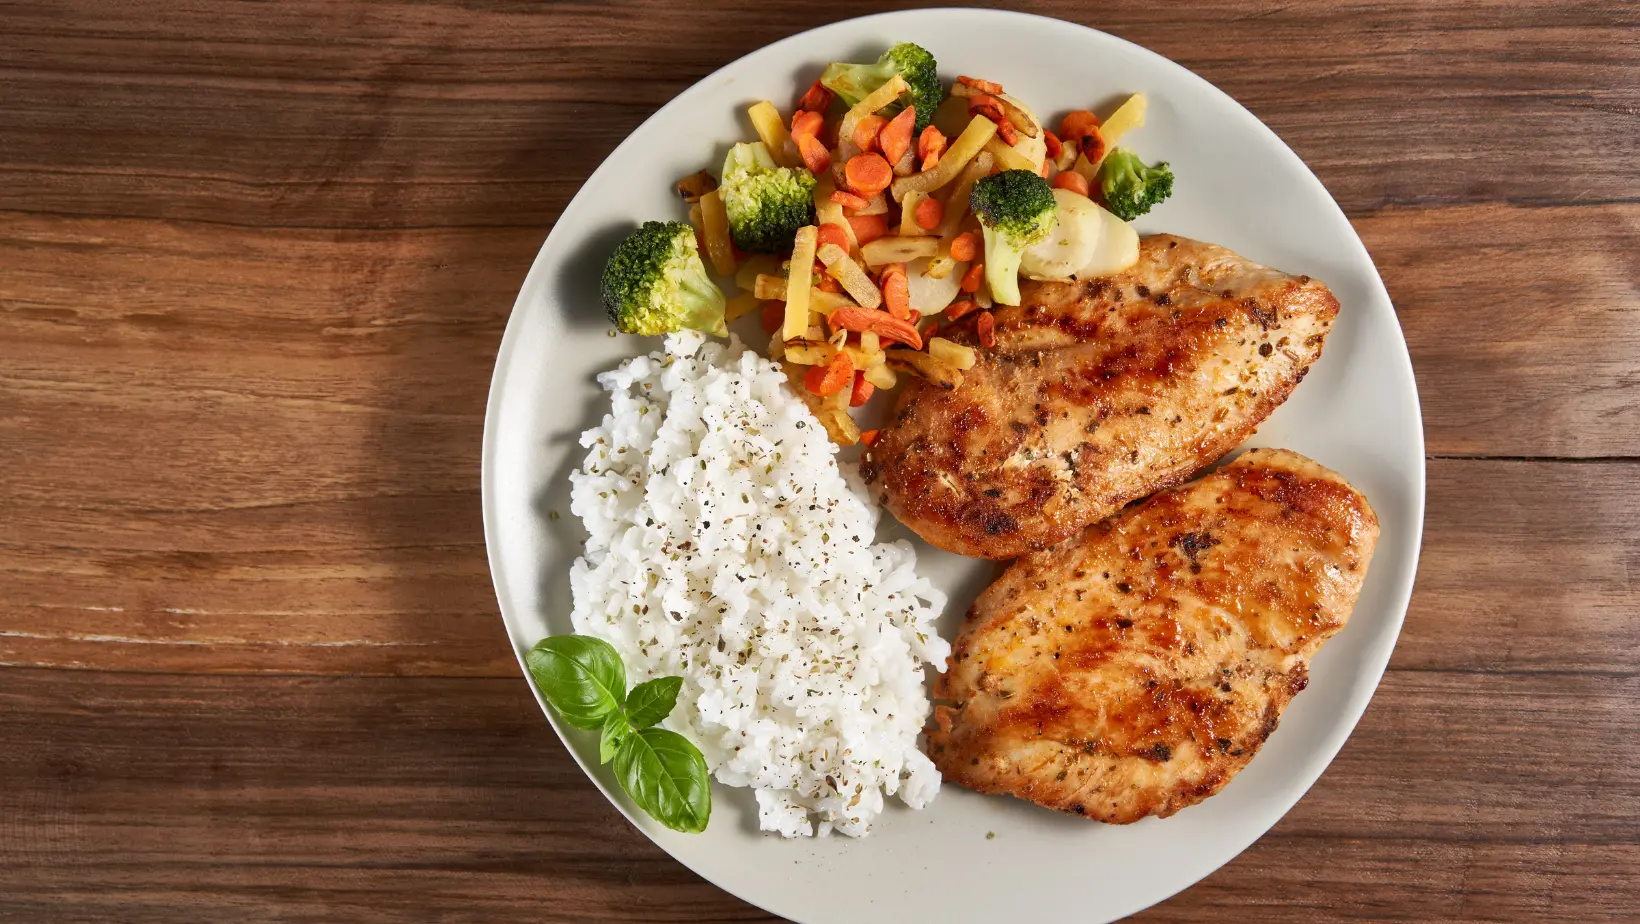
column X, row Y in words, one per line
column 867, row 228
column 815, row 155
column 832, row 233
column 827, row 284
column 867, row 437
column 1055, row 147
column 805, row 122
column 868, row 174
column 930, row 212
column 895, row 138
column 831, row 378
column 865, row 133
column 816, row 99
column 1077, row 124
column 984, row 86
column 1046, row 171
column 964, row 247
column 862, row 390
column 896, row 291
column 1093, row 146
column 957, row 309
column 849, row 200
column 971, row 279
column 986, row 327
column 773, row 314
column 1072, row 181
column 930, row 145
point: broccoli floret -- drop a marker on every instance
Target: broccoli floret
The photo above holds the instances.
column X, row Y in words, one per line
column 1131, row 188
column 766, row 203
column 1016, row 211
column 655, row 283
column 853, row 82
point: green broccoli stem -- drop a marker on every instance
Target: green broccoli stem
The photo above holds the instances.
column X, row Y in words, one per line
column 702, row 302
column 1002, row 259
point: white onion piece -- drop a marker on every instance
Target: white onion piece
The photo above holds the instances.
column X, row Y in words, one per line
column 1035, row 149
column 930, row 295
column 1118, row 248
column 1073, row 241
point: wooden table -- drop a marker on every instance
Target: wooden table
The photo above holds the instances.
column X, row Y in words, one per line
column 255, row 260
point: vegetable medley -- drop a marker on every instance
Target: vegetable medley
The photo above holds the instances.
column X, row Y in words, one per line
column 884, row 211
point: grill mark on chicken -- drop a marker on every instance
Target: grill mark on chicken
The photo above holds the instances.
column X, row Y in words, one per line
column 1097, row 393
column 1135, row 669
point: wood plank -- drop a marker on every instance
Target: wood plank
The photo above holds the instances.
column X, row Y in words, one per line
column 1528, row 567
column 410, row 114
column 1523, row 324
column 397, row 799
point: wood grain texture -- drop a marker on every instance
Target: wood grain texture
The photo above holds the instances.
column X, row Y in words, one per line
column 255, row 260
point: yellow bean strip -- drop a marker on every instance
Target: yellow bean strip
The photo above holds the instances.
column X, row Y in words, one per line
column 854, row 279
column 798, row 280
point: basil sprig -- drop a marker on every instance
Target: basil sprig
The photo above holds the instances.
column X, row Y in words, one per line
column 664, row 773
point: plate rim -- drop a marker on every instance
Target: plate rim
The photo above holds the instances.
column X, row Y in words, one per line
column 1399, row 597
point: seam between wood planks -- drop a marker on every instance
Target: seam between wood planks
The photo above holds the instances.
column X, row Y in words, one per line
column 1570, row 460
column 490, row 678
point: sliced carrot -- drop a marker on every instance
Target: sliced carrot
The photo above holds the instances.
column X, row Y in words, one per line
column 1006, row 131
column 964, row 247
column 865, row 132
column 984, row 86
column 816, row 99
column 868, row 228
column 867, row 437
column 896, row 291
column 1055, row 147
column 957, row 309
column 927, row 330
column 833, row 233
column 774, row 313
column 806, row 123
column 930, row 212
column 849, row 200
column 831, row 378
column 815, row 155
column 868, row 174
column 862, row 390
column 1076, row 125
column 971, row 279
column 986, row 327
column 987, row 106
column 895, row 138
column 1072, row 181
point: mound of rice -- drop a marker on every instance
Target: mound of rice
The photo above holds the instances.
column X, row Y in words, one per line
column 729, row 547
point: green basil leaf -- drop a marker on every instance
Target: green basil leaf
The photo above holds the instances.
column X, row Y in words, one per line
column 580, row 676
column 652, row 700
column 666, row 775
column 616, row 729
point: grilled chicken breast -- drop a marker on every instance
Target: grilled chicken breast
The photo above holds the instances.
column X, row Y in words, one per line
column 1098, row 393
column 1135, row 669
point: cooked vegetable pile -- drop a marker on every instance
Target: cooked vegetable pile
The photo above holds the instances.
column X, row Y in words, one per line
column 888, row 210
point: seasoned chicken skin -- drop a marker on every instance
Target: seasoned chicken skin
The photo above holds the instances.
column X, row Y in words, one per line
column 1098, row 393
column 1135, row 669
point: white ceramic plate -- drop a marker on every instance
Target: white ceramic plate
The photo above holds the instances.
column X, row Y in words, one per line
column 1357, row 412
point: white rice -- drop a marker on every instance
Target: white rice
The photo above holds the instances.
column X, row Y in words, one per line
column 730, row 548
